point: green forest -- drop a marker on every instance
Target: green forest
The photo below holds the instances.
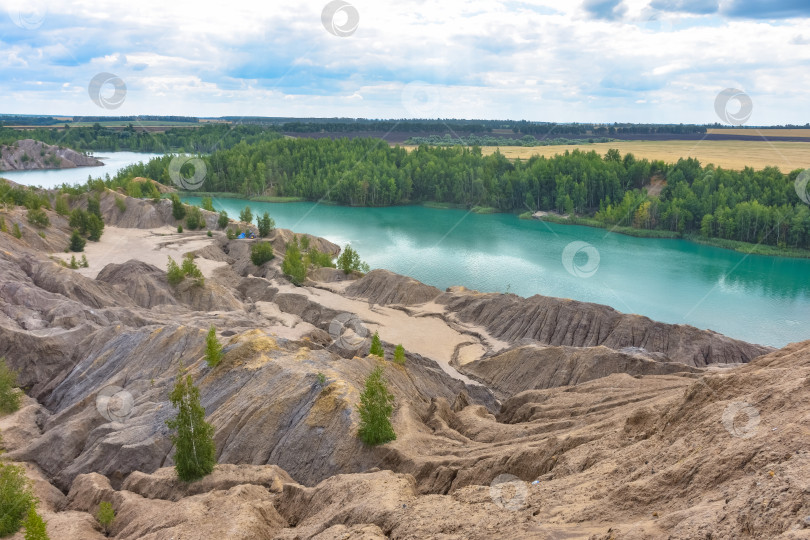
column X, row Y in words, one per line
column 203, row 139
column 747, row 206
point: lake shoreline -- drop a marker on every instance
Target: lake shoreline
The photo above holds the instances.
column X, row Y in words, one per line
column 745, row 248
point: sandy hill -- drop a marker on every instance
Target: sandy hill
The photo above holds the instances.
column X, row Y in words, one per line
column 515, row 418
column 28, row 154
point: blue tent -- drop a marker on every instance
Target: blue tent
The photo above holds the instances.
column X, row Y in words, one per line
column 241, row 235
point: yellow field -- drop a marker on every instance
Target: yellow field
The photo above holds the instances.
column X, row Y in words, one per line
column 737, row 155
column 803, row 133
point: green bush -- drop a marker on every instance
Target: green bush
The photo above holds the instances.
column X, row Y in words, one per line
column 77, row 243
column 376, row 346
column 15, row 498
column 230, row 234
column 213, row 348
column 35, row 526
column 73, row 264
column 246, row 215
column 16, row 231
column 207, row 204
column 179, row 228
column 375, row 409
column 84, row 263
column 38, row 218
column 94, row 206
column 266, row 224
column 349, row 261
column 190, row 269
column 95, row 227
column 399, row 355
column 178, row 208
column 209, row 234
column 261, row 252
column 293, row 264
column 319, row 260
column 133, row 189
column 3, row 227
column 78, row 220
column 194, row 218
column 105, row 516
column 121, row 203
column 223, row 220
column 173, row 273
column 62, row 207
column 192, row 436
column 9, row 394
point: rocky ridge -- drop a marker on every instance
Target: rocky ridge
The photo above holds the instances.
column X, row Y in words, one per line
column 615, row 419
column 28, row 154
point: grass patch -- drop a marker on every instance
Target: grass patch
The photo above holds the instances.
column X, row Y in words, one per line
column 742, row 247
column 627, row 231
column 751, row 249
column 231, row 195
column 262, row 198
column 212, row 194
column 443, row 205
column 485, row 210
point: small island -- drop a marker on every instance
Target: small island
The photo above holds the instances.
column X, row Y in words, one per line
column 28, row 154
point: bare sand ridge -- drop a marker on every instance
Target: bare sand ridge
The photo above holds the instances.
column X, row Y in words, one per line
column 515, row 417
column 153, row 246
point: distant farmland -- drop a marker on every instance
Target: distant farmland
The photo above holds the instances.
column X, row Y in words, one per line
column 767, row 133
column 736, row 155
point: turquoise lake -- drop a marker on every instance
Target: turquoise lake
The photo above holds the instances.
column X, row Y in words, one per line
column 759, row 299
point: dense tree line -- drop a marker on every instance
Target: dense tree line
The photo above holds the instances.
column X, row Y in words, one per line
column 409, row 126
column 23, row 120
column 98, row 138
column 648, row 129
column 27, row 120
column 492, row 140
column 750, row 206
column 139, row 118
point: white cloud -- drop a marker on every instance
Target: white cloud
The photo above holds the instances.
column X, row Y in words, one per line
column 539, row 60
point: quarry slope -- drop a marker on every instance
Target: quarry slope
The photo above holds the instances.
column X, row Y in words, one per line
column 515, row 418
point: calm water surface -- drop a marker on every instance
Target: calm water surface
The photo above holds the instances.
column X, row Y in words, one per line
column 113, row 161
column 759, row 299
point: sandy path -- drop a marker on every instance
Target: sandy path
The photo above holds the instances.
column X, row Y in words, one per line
column 428, row 336
column 153, row 246
column 421, row 333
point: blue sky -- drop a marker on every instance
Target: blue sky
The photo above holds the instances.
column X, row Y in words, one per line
column 582, row 60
